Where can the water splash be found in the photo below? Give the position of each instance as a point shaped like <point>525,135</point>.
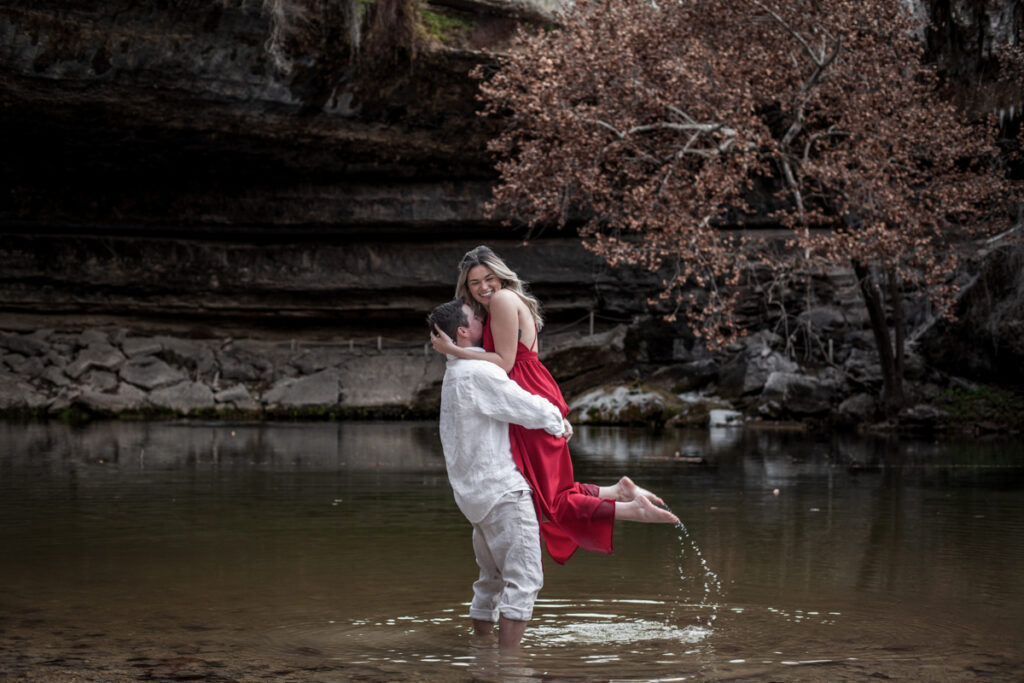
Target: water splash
<point>703,575</point>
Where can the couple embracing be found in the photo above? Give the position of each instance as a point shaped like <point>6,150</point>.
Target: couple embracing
<point>505,442</point>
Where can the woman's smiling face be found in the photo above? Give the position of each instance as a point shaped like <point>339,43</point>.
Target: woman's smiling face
<point>482,283</point>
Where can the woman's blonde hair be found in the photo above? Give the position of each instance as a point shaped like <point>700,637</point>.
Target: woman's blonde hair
<point>483,256</point>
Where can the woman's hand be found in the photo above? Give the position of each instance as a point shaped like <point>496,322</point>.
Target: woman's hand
<point>442,343</point>
<point>566,430</point>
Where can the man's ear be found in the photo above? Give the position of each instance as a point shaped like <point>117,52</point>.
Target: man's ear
<point>461,331</point>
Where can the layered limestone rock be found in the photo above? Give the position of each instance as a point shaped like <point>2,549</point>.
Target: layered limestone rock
<point>165,176</point>
<point>163,164</point>
<point>163,167</point>
<point>114,372</point>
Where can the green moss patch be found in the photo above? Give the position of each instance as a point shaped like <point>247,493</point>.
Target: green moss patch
<point>447,29</point>
<point>986,406</point>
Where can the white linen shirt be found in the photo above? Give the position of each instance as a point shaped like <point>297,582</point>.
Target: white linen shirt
<point>478,401</point>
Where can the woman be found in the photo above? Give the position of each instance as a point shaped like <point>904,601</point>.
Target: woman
<point>571,514</point>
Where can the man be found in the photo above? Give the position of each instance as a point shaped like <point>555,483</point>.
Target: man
<point>478,401</point>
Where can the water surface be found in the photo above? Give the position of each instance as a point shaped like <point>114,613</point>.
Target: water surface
<point>329,552</point>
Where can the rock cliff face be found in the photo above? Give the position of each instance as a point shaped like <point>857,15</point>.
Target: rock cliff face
<point>160,167</point>
<point>964,40</point>
<point>161,174</point>
<point>158,162</point>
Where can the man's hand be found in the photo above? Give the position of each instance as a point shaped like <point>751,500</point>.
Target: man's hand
<point>566,430</point>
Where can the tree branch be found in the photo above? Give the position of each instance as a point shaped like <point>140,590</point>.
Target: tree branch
<point>817,136</point>
<point>782,22</point>
<point>685,127</point>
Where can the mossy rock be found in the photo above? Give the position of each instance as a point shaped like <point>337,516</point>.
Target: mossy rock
<point>635,403</point>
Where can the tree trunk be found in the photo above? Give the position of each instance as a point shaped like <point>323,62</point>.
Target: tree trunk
<point>897,327</point>
<point>891,361</point>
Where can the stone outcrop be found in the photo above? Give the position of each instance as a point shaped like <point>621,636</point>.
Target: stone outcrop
<point>986,341</point>
<point>174,376</point>
<point>624,405</point>
<point>749,370</point>
<point>164,168</point>
<point>188,228</point>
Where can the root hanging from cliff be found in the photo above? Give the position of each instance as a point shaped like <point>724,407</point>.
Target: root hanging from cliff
<point>310,29</point>
<point>394,31</point>
<point>288,19</point>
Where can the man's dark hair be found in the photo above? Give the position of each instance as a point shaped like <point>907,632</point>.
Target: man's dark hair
<point>449,317</point>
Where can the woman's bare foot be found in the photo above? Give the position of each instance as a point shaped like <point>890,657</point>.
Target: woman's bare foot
<point>641,509</point>
<point>625,491</point>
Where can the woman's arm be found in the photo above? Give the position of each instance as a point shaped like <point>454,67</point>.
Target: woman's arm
<point>442,343</point>
<point>504,317</point>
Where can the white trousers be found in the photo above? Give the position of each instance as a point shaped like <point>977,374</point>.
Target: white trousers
<point>507,547</point>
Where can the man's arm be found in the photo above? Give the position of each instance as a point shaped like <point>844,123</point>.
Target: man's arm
<point>499,397</point>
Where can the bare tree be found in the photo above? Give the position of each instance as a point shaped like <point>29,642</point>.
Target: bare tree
<point>658,125</point>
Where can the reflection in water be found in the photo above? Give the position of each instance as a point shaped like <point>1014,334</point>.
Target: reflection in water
<point>325,552</point>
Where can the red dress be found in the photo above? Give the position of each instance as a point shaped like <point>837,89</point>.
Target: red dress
<point>571,515</point>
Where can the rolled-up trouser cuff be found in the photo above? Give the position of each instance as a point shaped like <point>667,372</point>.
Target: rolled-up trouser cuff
<point>483,615</point>
<point>507,546</point>
<point>516,613</point>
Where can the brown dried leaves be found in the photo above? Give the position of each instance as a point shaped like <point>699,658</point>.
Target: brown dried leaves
<point>649,126</point>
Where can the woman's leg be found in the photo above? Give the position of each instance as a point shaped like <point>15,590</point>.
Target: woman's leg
<point>625,490</point>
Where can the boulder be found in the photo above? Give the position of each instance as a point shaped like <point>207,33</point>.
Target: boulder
<point>923,415</point>
<point>17,393</point>
<point>686,350</point>
<point>686,377</point>
<point>55,376</point>
<point>54,357</point>
<point>575,356</point>
<point>758,341</point>
<point>747,372</point>
<point>97,355</point>
<point>28,367</point>
<point>65,398</point>
<point>321,389</point>
<point>823,318</point>
<point>389,380</point>
<point>769,409</point>
<point>635,404</point>
<point>150,372</point>
<point>798,394</point>
<point>311,361</point>
<point>242,365</point>
<point>187,353</point>
<point>860,407</point>
<point>25,344</point>
<point>140,346</point>
<point>238,397</point>
<point>91,337</point>
<point>863,367</point>
<point>126,397</point>
<point>12,360</point>
<point>99,380</point>
<point>183,397</point>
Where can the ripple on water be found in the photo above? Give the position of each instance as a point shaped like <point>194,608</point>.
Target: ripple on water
<point>618,623</point>
<point>563,637</point>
